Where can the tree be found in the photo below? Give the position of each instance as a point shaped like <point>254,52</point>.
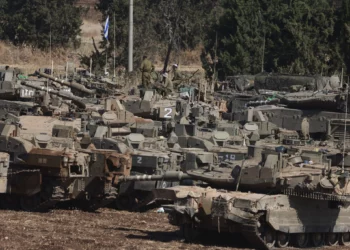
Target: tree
<point>307,39</point>
<point>342,31</point>
<point>160,26</point>
<point>144,34</point>
<point>32,21</point>
<point>181,24</point>
<point>284,36</point>
<point>239,30</point>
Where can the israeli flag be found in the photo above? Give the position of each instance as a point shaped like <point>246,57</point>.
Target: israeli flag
<point>105,31</point>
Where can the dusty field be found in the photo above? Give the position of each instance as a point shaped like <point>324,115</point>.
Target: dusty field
<point>106,229</point>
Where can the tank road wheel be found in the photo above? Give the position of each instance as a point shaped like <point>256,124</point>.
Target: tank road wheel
<point>344,239</point>
<point>301,240</point>
<point>317,239</point>
<point>269,236</point>
<point>282,239</point>
<point>29,203</point>
<point>332,239</point>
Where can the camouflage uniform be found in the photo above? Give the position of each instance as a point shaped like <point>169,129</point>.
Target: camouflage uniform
<point>177,77</point>
<point>168,85</point>
<point>146,68</point>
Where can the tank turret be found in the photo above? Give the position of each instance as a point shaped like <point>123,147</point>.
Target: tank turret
<point>42,170</point>
<point>73,85</point>
<point>291,196</point>
<point>65,95</point>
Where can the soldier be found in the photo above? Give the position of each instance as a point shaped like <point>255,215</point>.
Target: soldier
<point>177,78</point>
<point>146,68</point>
<point>167,83</point>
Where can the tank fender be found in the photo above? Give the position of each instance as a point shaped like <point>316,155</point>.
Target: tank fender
<point>293,221</point>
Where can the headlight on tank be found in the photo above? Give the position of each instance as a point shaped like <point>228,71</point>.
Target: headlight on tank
<point>65,161</point>
<point>229,206</point>
<point>240,203</point>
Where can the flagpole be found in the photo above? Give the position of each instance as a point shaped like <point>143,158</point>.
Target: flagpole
<point>106,57</point>
<point>114,45</point>
<point>131,35</point>
<point>90,66</point>
<point>105,33</point>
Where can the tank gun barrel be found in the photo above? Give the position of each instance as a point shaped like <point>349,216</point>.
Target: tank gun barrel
<point>266,102</point>
<point>74,85</point>
<point>169,176</point>
<point>225,179</point>
<point>113,84</point>
<point>76,100</point>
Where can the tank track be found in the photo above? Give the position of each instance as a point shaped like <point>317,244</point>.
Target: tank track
<point>251,234</point>
<point>43,204</point>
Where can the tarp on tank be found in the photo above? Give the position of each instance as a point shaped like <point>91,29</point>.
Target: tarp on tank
<point>295,83</point>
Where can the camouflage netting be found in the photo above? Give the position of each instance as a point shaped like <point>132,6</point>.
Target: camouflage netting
<point>295,83</point>
<point>241,82</point>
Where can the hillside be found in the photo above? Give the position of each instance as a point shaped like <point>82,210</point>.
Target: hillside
<point>30,59</point>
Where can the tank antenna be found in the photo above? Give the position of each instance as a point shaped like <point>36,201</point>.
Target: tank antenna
<point>345,120</point>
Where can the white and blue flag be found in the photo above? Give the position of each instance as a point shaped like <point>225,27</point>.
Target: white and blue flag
<point>105,31</point>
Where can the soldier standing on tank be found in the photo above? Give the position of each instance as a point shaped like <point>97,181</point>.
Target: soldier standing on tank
<point>177,78</point>
<point>167,83</point>
<point>146,68</point>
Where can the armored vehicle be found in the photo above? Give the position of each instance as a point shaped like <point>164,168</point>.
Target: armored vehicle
<point>52,171</point>
<point>292,83</point>
<point>149,156</point>
<point>76,88</point>
<point>288,207</point>
<point>219,142</point>
<point>319,100</point>
<point>151,105</point>
<point>290,119</point>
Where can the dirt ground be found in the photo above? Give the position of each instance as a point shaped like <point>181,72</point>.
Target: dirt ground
<point>106,229</point>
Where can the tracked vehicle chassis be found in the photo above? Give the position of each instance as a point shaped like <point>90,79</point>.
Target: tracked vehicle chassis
<point>266,221</point>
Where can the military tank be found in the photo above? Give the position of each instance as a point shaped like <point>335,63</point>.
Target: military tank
<point>76,88</point>
<point>150,105</point>
<point>277,200</point>
<point>293,83</point>
<point>288,110</point>
<point>39,173</point>
<point>290,119</point>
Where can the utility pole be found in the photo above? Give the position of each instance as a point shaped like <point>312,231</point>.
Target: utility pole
<point>263,53</point>
<point>114,45</point>
<point>131,35</point>
<point>51,52</point>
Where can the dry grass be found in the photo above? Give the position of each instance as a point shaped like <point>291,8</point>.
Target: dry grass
<point>29,59</point>
<point>91,29</point>
<point>191,57</point>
